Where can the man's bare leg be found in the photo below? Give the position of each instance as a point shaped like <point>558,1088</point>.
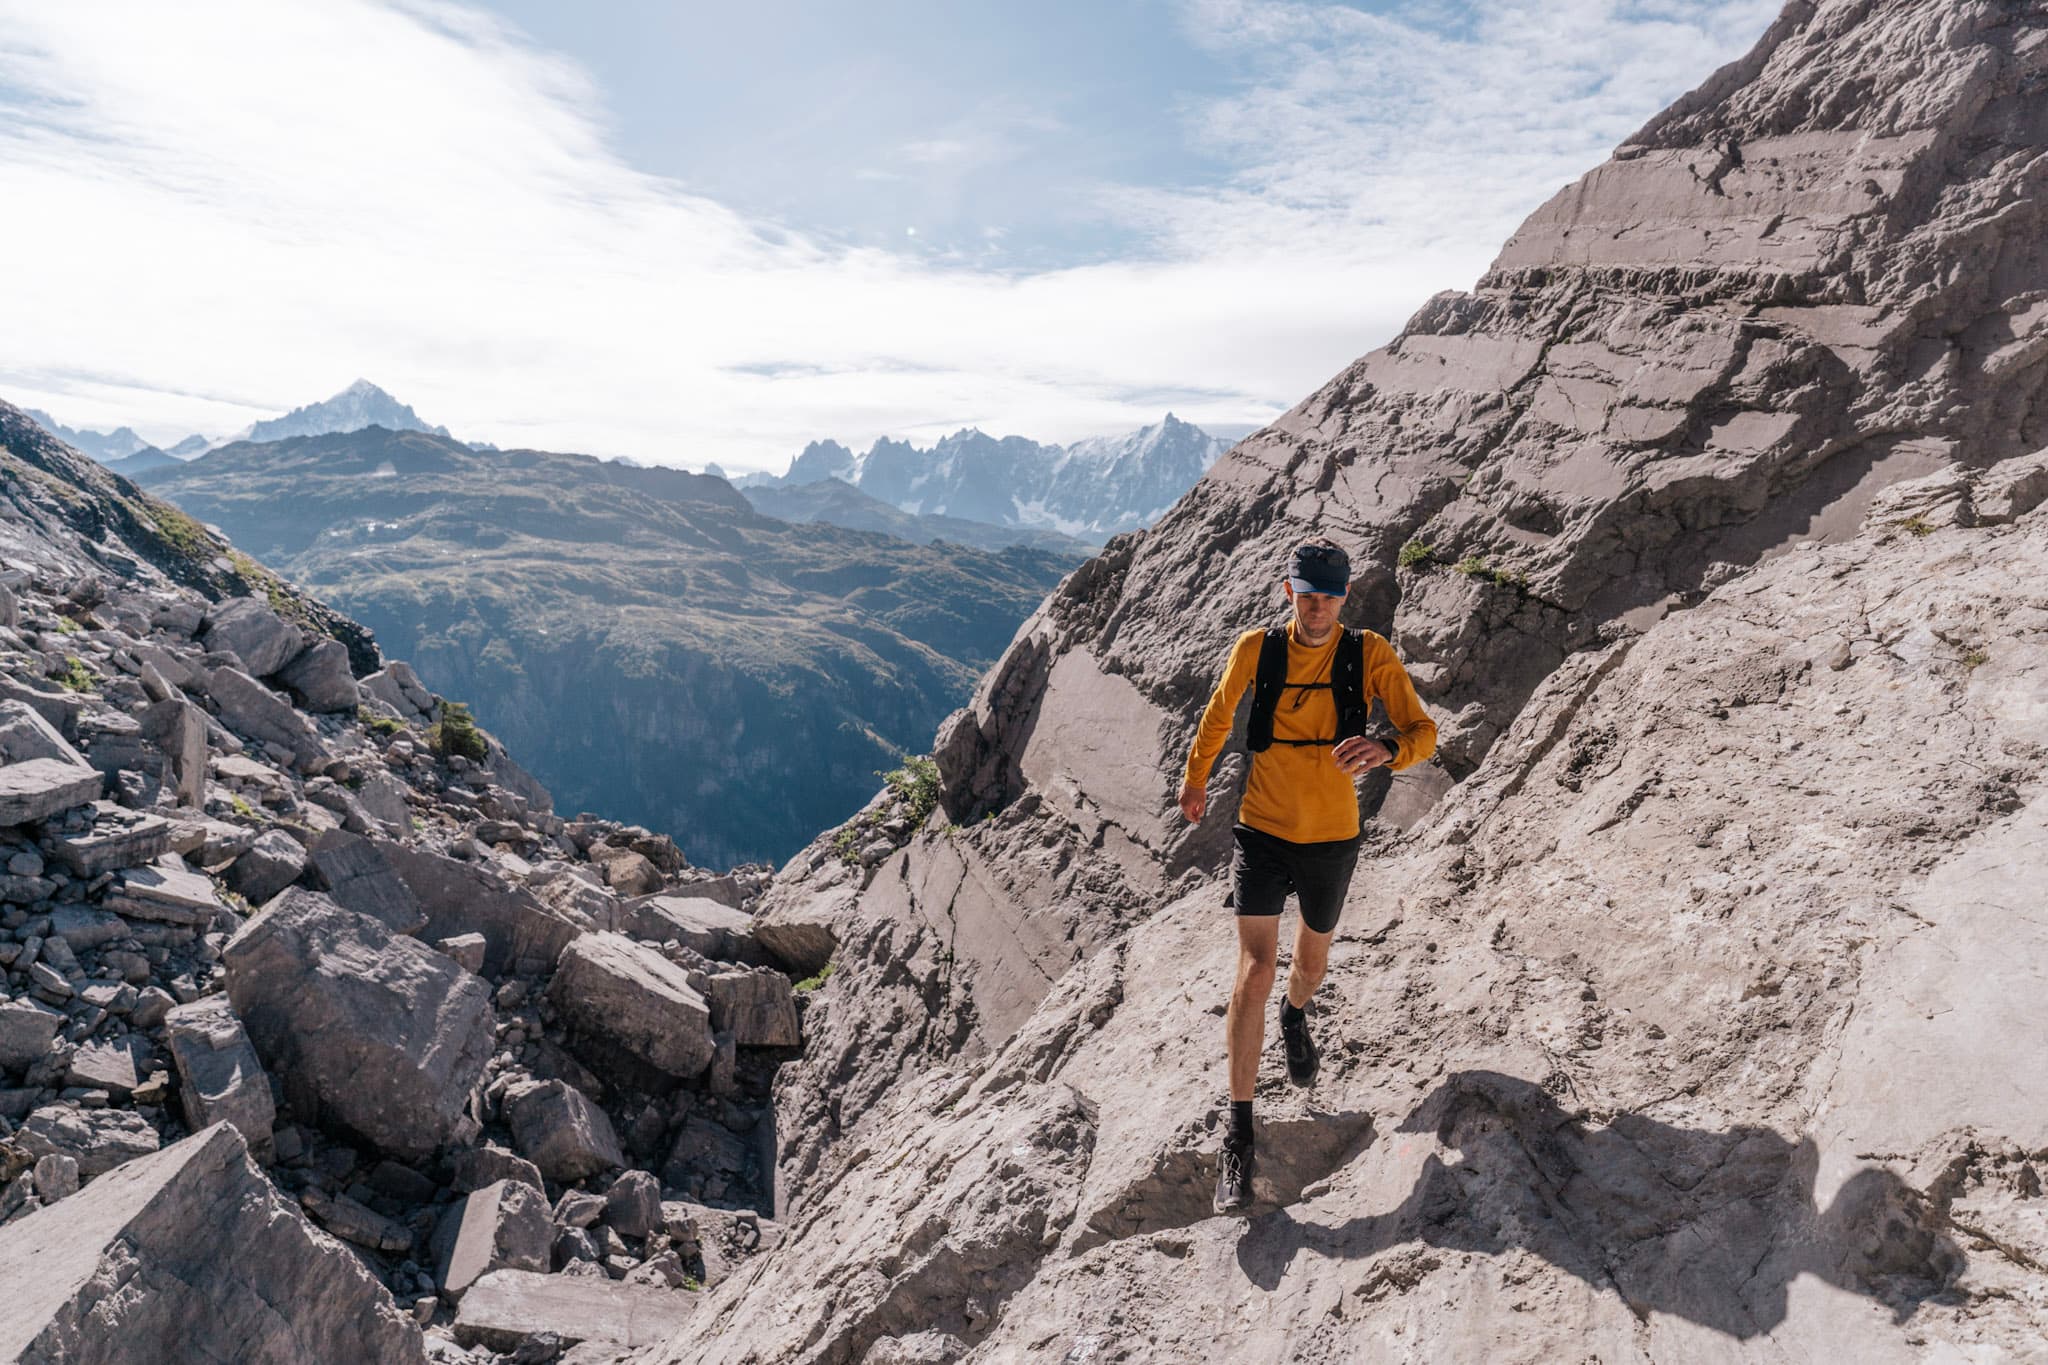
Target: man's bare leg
<point>1311,960</point>
<point>1258,952</point>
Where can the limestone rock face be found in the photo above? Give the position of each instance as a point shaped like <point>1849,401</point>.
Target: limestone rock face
<point>190,1246</point>
<point>1722,522</point>
<point>382,1033</point>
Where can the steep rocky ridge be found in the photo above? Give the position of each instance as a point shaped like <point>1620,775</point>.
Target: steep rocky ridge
<point>315,1016</point>
<point>1592,502</point>
<point>652,648</point>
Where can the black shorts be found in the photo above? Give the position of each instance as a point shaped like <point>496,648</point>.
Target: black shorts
<point>1265,868</point>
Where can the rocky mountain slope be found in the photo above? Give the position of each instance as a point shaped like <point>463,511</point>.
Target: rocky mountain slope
<point>1672,1017</point>
<point>653,648</point>
<point>1090,489</point>
<point>318,1026</point>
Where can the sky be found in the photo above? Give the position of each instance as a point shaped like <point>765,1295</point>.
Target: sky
<point>689,232</point>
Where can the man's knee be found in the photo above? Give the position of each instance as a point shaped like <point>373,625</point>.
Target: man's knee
<point>1256,965</point>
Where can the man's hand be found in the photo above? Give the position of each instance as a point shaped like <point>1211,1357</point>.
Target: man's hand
<point>1359,755</point>
<point>1193,801</point>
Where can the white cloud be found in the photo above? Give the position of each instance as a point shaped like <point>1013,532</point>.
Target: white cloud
<point>232,207</point>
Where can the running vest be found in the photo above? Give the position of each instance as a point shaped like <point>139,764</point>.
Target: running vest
<point>1347,684</point>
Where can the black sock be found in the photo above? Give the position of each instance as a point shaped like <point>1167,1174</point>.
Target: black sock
<point>1290,1015</point>
<point>1241,1122</point>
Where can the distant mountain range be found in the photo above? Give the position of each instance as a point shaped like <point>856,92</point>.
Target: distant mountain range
<point>653,647</point>
<point>1090,490</point>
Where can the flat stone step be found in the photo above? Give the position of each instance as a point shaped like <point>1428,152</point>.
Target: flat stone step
<point>167,894</point>
<point>43,787</point>
<point>119,837</point>
<point>505,1307</point>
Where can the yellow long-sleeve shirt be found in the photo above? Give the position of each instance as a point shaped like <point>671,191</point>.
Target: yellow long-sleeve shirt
<point>1296,791</point>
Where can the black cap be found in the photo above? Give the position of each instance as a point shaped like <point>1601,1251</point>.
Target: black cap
<point>1319,568</point>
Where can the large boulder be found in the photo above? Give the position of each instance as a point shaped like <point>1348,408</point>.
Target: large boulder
<point>271,864</point>
<point>627,996</point>
<point>555,1126</point>
<point>757,1006</point>
<point>320,676</point>
<point>220,1077</point>
<point>373,1032</point>
<point>256,635</point>
<point>190,1254</point>
<point>25,734</point>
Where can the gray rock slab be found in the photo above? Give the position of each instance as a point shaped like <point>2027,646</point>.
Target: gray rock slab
<point>505,1226</point>
<point>115,1065</point>
<point>42,787</point>
<point>171,895</point>
<point>801,929</point>
<point>190,1246</point>
<point>261,638</point>
<point>507,1307</point>
<point>631,997</point>
<point>466,949</point>
<point>697,922</point>
<point>355,1222</point>
<point>632,1204</point>
<point>557,1127</point>
<point>252,709</point>
<point>221,1079</point>
<point>359,877</point>
<point>372,1031</point>
<point>85,928</point>
<point>319,674</point>
<point>98,1139</point>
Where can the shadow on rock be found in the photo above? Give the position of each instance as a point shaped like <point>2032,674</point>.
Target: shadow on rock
<point>1711,1226</point>
<point>1177,1192</point>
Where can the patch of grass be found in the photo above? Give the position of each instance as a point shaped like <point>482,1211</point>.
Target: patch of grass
<point>1475,566</point>
<point>456,733</point>
<point>243,808</point>
<point>67,626</point>
<point>76,677</point>
<point>186,536</point>
<point>811,983</point>
<point>1915,526</point>
<point>916,785</point>
<point>1976,659</point>
<point>1415,555</point>
<point>846,843</point>
<point>693,1284</point>
<point>378,722</point>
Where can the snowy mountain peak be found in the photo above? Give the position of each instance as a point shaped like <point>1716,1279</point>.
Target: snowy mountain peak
<point>361,404</point>
<point>1093,488</point>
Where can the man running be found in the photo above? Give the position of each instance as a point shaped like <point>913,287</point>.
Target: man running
<point>1297,827</point>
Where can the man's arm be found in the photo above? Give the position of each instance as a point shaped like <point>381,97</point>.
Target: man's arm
<point>1386,679</point>
<point>1214,729</point>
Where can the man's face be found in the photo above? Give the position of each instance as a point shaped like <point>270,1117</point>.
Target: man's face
<point>1315,612</point>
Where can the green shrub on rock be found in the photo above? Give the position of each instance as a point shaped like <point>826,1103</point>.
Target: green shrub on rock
<point>456,733</point>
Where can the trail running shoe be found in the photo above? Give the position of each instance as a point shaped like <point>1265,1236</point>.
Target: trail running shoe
<point>1304,1059</point>
<point>1234,1177</point>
